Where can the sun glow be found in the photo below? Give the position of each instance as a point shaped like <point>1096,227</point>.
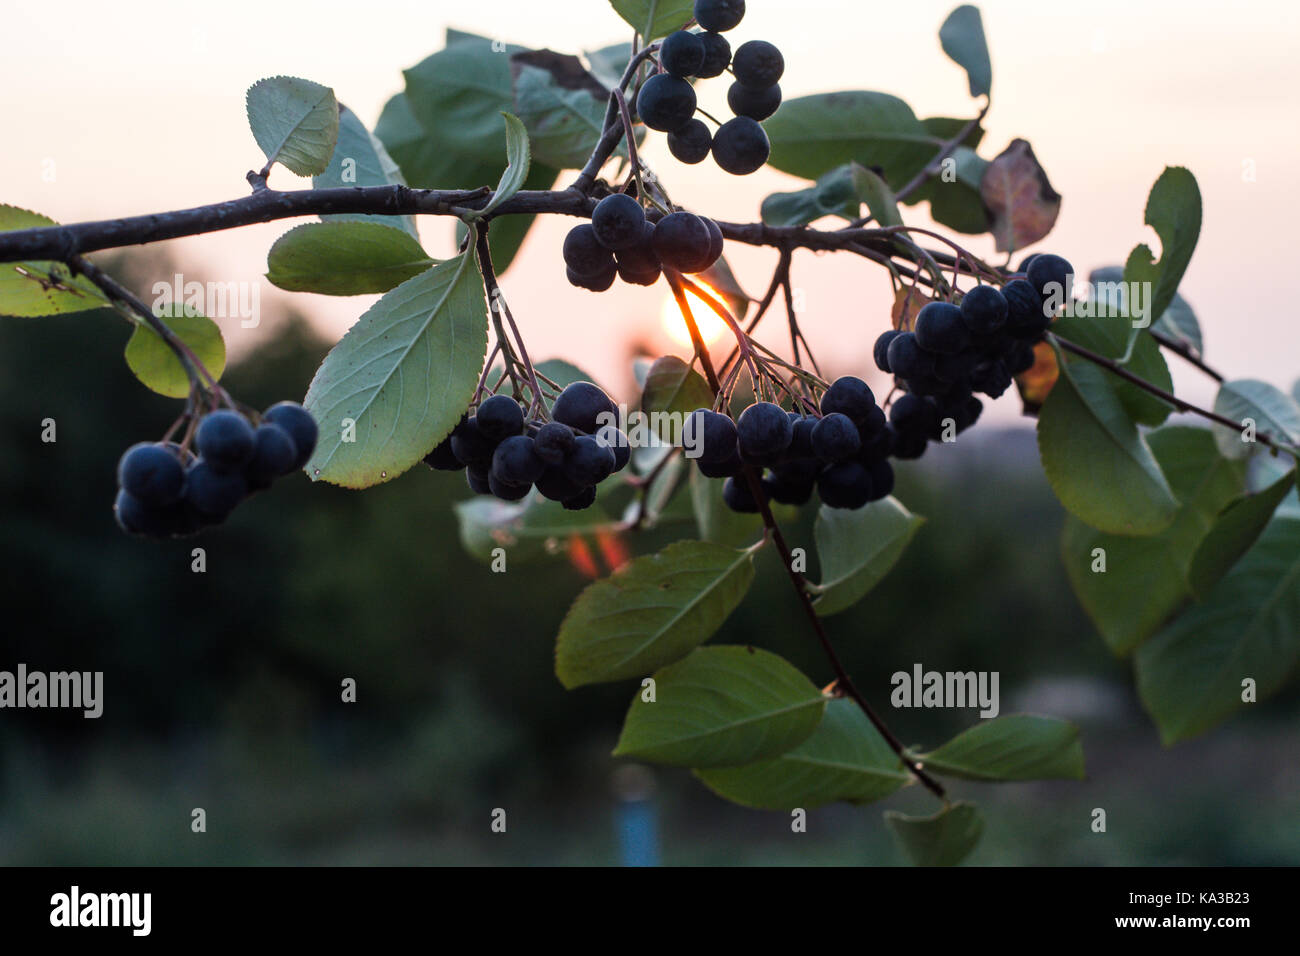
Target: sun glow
<point>710,325</point>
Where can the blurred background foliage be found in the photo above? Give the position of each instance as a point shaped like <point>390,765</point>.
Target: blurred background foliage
<point>222,689</point>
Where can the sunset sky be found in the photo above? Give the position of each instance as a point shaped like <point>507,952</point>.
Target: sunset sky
<point>139,107</point>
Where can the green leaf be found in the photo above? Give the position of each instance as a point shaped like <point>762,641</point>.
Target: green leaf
<point>944,839</point>
<point>962,38</point>
<point>563,373</point>
<point>856,548</point>
<point>844,759</point>
<point>517,155</point>
<point>344,258</point>
<point>295,122</point>
<point>404,374</point>
<point>1110,337</point>
<point>675,388</point>
<point>156,365</point>
<point>35,288</point>
<point>1146,577</point>
<point>1235,530</point>
<point>1174,212</point>
<point>1014,747</point>
<point>654,18</point>
<point>1178,321</point>
<point>650,612</point>
<point>714,520</point>
<point>608,63</point>
<point>955,200</point>
<point>1190,675</point>
<point>1274,412</point>
<point>721,707</point>
<point>840,192</point>
<point>508,232</point>
<point>811,135</point>
<point>1097,463</point>
<point>528,529</point>
<point>562,105</point>
<point>360,159</point>
<point>457,96</point>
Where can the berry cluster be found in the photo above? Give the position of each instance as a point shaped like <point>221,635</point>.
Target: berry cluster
<point>955,351</point>
<point>165,490</point>
<point>565,458</point>
<point>843,454</point>
<point>666,102</point>
<point>620,241</point>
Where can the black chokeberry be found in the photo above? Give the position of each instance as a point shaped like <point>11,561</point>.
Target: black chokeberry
<point>590,462</point>
<point>552,442</point>
<point>880,352</point>
<point>1026,317</point>
<point>991,377</point>
<point>442,458</point>
<point>984,310</point>
<point>940,329</point>
<point>639,265</point>
<point>613,438</point>
<point>151,473</point>
<point>793,482</point>
<point>740,146</point>
<point>213,494</point>
<point>907,360</point>
<point>912,414</point>
<point>801,436</point>
<point>882,479</point>
<point>716,240</point>
<point>225,439</point>
<point>845,485</point>
<point>504,490</point>
<point>691,143</point>
<point>850,396</point>
<point>709,437</point>
<point>908,445</point>
<point>719,15</point>
<point>737,496</point>
<point>763,432</point>
<point>582,500</point>
<point>681,54</point>
<point>556,485</point>
<point>274,454</point>
<point>717,55</point>
<point>1050,275</point>
<point>599,282</point>
<point>618,222</point>
<point>477,477</point>
<point>665,102</point>
<point>471,446</point>
<point>682,241</point>
<point>1019,358</point>
<point>499,417</point>
<point>300,425</point>
<point>757,64</point>
<point>582,405</point>
<point>835,438</point>
<point>954,368</point>
<point>758,103</point>
<point>583,253</point>
<point>516,462</point>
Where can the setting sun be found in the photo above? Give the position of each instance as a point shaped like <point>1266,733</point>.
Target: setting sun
<point>710,325</point>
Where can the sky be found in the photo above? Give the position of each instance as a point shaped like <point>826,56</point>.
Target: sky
<point>138,106</point>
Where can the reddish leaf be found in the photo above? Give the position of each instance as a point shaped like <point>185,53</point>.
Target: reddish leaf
<point>1035,384</point>
<point>907,302</point>
<point>1021,202</point>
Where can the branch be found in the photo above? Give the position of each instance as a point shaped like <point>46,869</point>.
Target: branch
<point>1183,406</point>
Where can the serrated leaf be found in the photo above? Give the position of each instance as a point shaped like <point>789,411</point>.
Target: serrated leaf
<point>1146,577</point>
<point>844,759</point>
<point>1235,530</point>
<point>650,612</point>
<point>1273,412</point>
<point>154,363</point>
<point>360,159</point>
<point>1191,674</point>
<point>35,288</point>
<point>944,839</point>
<point>722,707</point>
<point>856,548</point>
<point>1174,211</point>
<point>1014,747</point>
<point>1096,461</point>
<point>654,18</point>
<point>962,38</point>
<point>403,374</point>
<point>562,105</point>
<point>295,122</point>
<point>518,159</point>
<point>811,135</point>
<point>1023,204</point>
<point>345,258</point>
<point>673,387</point>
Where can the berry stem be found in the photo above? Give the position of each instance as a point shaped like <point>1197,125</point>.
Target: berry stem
<point>498,307</point>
